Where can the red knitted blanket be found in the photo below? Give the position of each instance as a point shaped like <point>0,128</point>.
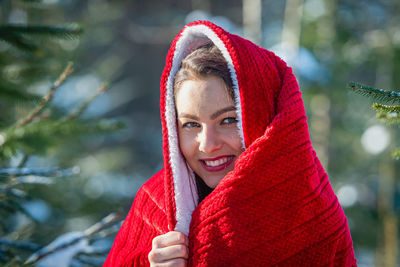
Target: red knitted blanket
<point>276,207</point>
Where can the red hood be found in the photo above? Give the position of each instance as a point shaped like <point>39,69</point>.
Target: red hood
<point>256,94</point>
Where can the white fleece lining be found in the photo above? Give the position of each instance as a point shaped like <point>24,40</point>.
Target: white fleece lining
<point>186,196</point>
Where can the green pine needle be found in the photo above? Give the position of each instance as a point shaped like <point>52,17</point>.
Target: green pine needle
<point>60,129</point>
<point>18,41</point>
<point>16,35</point>
<point>376,94</point>
<point>385,108</point>
<point>39,137</point>
<point>12,94</point>
<point>71,31</point>
<point>396,154</point>
<point>389,118</point>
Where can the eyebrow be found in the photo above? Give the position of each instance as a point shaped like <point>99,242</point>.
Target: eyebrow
<point>213,116</point>
<point>221,111</point>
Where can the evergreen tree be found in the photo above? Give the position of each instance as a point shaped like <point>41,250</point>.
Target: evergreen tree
<point>31,126</point>
<point>387,113</point>
<point>387,193</point>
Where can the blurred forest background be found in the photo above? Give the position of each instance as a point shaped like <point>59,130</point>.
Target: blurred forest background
<point>65,171</point>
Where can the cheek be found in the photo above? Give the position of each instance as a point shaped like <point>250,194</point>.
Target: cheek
<point>187,144</point>
<point>233,139</point>
<point>237,145</point>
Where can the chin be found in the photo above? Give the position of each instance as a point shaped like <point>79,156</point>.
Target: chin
<point>212,182</point>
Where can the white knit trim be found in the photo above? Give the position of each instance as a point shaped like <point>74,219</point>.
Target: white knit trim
<point>184,184</point>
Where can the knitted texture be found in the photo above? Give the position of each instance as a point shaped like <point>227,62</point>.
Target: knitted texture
<point>276,207</point>
<point>146,220</point>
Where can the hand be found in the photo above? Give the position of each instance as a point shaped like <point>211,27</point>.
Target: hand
<point>170,249</point>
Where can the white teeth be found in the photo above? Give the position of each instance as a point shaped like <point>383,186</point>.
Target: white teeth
<point>218,162</point>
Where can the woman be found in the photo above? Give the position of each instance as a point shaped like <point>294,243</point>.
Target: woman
<point>245,138</point>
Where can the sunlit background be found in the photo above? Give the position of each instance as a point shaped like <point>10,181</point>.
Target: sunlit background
<point>328,43</point>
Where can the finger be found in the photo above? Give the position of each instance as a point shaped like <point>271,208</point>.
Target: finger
<point>170,238</point>
<point>160,255</point>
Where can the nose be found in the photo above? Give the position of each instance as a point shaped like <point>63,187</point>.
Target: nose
<point>209,140</point>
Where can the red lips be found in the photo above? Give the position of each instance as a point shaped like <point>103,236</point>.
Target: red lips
<point>217,164</point>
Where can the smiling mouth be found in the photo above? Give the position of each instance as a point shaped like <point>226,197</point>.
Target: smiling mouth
<point>217,164</point>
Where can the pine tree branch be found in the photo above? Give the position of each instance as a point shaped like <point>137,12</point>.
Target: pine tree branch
<point>376,94</point>
<point>389,118</point>
<point>17,35</point>
<point>386,109</point>
<point>20,245</point>
<point>35,257</point>
<point>19,42</point>
<point>14,192</point>
<point>36,137</point>
<point>97,227</point>
<point>67,32</point>
<point>396,153</point>
<point>67,71</point>
<point>32,180</point>
<point>95,252</point>
<point>56,129</point>
<point>89,262</point>
<point>23,161</point>
<point>34,2</point>
<point>108,231</point>
<point>18,207</point>
<point>105,222</point>
<point>82,108</point>
<point>7,207</point>
<point>46,172</point>
<point>13,94</point>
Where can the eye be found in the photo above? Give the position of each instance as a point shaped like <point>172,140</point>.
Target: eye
<point>229,120</point>
<point>190,125</point>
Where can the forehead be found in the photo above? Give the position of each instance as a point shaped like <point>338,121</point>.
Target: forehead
<point>206,93</point>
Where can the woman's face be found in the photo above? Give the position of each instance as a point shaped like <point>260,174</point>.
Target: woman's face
<point>207,128</point>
